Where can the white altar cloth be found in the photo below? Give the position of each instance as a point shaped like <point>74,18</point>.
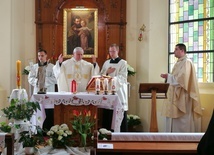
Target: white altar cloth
<point>157,136</point>
<point>83,98</point>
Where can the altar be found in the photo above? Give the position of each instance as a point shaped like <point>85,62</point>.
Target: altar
<point>51,99</point>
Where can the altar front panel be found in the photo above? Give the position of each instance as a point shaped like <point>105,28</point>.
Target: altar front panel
<point>64,114</point>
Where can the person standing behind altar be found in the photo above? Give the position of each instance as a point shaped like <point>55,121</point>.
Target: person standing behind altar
<point>75,69</point>
<point>41,75</point>
<point>117,69</point>
<point>182,108</point>
<point>42,78</point>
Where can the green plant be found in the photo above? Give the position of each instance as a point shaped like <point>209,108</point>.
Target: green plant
<point>30,139</point>
<point>133,120</point>
<point>20,109</point>
<point>4,127</point>
<point>82,124</point>
<point>60,136</point>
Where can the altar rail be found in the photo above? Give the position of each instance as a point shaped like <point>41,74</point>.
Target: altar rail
<point>148,143</point>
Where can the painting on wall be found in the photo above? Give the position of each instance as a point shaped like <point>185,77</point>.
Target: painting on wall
<point>80,30</point>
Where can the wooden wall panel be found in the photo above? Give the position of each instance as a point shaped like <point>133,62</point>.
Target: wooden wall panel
<point>111,25</point>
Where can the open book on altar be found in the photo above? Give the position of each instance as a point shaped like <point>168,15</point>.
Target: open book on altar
<point>92,83</point>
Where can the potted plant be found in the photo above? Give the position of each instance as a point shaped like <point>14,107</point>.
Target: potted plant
<point>60,136</point>
<point>131,71</point>
<point>20,109</point>
<point>133,121</point>
<point>104,134</point>
<point>29,140</point>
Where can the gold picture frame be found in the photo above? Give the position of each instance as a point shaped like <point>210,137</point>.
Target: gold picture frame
<point>80,30</point>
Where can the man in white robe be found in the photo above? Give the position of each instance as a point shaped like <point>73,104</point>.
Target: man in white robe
<point>74,69</point>
<point>117,68</point>
<point>182,108</point>
<point>41,76</point>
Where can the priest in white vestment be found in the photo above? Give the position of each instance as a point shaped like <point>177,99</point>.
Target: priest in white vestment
<point>182,108</point>
<point>74,69</point>
<point>117,68</point>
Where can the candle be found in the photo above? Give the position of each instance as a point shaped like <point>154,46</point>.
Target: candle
<point>18,74</point>
<point>73,86</point>
<point>105,84</point>
<point>97,84</point>
<point>113,84</point>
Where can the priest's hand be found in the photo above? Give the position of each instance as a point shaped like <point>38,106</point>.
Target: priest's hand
<point>165,76</point>
<point>60,58</point>
<point>110,70</point>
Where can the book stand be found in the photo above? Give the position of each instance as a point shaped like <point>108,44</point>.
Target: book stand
<point>153,91</point>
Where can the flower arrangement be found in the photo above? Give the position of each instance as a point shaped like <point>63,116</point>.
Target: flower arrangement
<point>20,109</point>
<point>82,125</point>
<point>133,120</point>
<point>131,71</point>
<point>26,70</point>
<point>103,134</point>
<point>60,136</point>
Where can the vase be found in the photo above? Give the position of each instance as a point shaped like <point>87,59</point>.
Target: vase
<point>29,150</point>
<point>83,138</point>
<point>18,122</point>
<point>132,128</point>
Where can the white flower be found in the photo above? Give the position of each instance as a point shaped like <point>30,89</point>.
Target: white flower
<point>54,128</point>
<point>63,127</point>
<point>68,132</point>
<point>130,68</point>
<point>104,131</point>
<point>60,137</point>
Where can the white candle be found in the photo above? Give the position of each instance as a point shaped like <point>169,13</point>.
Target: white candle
<point>113,84</point>
<point>97,84</point>
<point>105,84</point>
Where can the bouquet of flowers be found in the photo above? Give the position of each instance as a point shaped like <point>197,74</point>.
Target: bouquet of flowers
<point>82,125</point>
<point>60,136</point>
<point>103,134</point>
<point>26,70</point>
<point>131,71</point>
<point>133,120</point>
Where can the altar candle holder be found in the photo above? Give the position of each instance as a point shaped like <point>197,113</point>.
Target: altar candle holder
<point>105,86</point>
<point>97,86</point>
<point>113,86</point>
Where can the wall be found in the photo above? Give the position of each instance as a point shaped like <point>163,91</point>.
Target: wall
<point>148,57</point>
<point>18,41</point>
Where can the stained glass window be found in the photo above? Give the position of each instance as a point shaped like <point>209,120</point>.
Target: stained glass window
<point>192,22</point>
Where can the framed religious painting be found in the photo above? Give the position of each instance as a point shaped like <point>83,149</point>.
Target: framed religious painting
<point>80,30</point>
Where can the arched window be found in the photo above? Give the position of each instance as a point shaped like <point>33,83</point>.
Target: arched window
<point>192,22</point>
